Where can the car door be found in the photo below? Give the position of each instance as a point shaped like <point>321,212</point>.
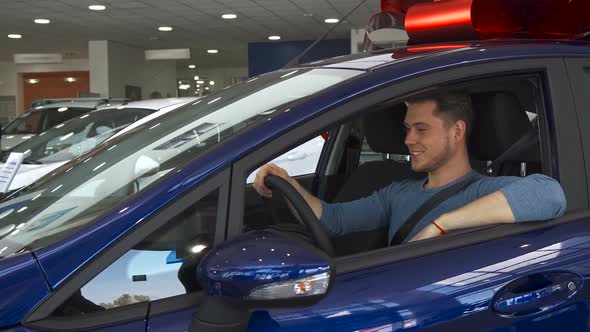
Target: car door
<point>528,276</point>
<point>142,281</point>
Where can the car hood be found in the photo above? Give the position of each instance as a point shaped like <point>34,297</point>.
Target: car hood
<point>28,174</point>
<point>23,287</point>
<point>9,141</point>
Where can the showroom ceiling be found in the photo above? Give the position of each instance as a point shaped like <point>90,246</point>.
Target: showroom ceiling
<point>197,24</point>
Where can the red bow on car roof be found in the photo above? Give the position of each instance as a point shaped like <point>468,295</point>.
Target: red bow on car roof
<point>428,21</point>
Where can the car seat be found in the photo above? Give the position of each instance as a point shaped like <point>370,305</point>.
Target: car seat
<point>500,125</point>
<point>384,132</point>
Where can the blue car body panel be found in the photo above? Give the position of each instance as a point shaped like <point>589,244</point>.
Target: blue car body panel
<point>23,286</point>
<point>457,285</point>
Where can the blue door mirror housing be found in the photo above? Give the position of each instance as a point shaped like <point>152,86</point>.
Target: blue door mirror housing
<point>259,269</point>
<point>267,267</point>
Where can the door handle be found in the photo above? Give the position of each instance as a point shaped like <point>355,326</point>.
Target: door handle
<point>536,293</point>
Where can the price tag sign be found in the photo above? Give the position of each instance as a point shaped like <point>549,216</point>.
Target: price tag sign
<point>9,170</point>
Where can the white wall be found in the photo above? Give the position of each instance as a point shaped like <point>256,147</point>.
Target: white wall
<point>127,66</point>
<point>12,85</point>
<point>98,62</point>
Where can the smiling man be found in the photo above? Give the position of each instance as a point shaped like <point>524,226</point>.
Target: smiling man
<point>438,127</point>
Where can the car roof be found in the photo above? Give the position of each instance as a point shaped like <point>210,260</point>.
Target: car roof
<point>76,103</point>
<point>501,47</point>
<point>154,104</point>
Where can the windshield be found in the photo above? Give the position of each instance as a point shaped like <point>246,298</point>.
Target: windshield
<point>101,180</point>
<point>40,120</point>
<point>77,136</point>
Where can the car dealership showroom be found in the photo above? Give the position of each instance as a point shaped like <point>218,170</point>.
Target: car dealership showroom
<point>294,165</point>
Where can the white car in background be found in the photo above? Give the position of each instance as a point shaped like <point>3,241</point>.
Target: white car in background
<point>58,145</point>
<point>48,113</point>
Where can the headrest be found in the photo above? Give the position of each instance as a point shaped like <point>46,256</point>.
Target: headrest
<point>500,121</point>
<point>384,130</point>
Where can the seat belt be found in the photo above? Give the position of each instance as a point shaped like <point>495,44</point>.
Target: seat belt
<point>428,206</point>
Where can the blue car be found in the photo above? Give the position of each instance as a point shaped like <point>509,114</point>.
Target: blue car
<point>159,230</point>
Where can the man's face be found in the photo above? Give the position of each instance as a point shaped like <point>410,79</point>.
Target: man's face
<point>428,137</point>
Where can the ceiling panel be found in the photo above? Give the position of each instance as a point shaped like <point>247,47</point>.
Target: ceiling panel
<point>197,24</point>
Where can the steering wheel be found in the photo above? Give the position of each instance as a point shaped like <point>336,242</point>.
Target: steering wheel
<point>306,216</point>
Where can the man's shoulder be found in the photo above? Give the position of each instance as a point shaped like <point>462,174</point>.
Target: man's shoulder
<point>484,179</point>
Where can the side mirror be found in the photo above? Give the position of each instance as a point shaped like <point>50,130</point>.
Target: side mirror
<point>259,269</point>
<point>146,166</point>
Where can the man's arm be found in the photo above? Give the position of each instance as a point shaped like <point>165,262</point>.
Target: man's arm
<point>535,197</point>
<point>490,209</point>
<point>272,169</point>
<point>363,214</point>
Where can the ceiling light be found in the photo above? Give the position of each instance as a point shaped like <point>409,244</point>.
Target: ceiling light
<point>206,88</point>
<point>15,36</point>
<point>200,82</point>
<point>308,15</point>
<point>196,78</point>
<point>274,37</point>
<point>198,86</point>
<point>229,16</point>
<point>211,82</point>
<point>332,20</point>
<point>165,28</point>
<point>184,87</point>
<point>97,7</point>
<point>33,80</point>
<point>71,79</point>
<point>42,21</point>
<point>192,66</point>
<point>168,54</point>
<point>37,58</point>
<point>212,51</point>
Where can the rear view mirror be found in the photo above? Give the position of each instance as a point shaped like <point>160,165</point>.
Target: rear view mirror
<point>262,269</point>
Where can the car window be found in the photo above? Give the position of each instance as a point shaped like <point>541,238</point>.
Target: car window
<point>55,116</point>
<point>76,195</point>
<point>162,265</point>
<point>76,136</point>
<point>370,153</point>
<point>27,123</point>
<point>301,160</point>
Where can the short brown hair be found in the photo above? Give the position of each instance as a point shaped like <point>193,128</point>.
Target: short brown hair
<point>451,107</point>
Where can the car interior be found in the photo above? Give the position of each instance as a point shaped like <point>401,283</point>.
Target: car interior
<point>368,153</point>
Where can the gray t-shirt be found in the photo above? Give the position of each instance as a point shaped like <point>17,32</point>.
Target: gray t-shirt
<point>534,197</point>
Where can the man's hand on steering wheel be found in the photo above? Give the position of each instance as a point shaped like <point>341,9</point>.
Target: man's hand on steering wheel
<point>268,169</point>
<point>295,196</point>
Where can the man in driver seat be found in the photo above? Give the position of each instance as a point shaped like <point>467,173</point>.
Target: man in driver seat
<point>437,131</point>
